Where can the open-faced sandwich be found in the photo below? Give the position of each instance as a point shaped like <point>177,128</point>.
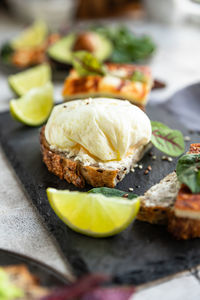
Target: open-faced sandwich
<point>29,48</point>
<point>16,282</point>
<point>175,201</point>
<point>90,78</point>
<point>97,140</point>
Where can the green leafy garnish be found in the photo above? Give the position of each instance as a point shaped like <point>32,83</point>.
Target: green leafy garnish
<point>109,192</point>
<point>188,171</point>
<point>166,139</point>
<point>6,52</point>
<point>128,47</point>
<point>87,64</point>
<point>138,76</point>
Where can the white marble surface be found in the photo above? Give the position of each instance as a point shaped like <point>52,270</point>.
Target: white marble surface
<point>177,62</point>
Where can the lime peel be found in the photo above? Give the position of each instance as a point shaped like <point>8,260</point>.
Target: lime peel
<point>31,37</point>
<point>24,81</point>
<point>33,108</point>
<point>93,214</point>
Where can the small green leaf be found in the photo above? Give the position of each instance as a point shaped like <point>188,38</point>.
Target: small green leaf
<point>6,52</point>
<point>188,171</point>
<point>87,64</point>
<point>109,192</point>
<point>138,76</point>
<point>166,139</point>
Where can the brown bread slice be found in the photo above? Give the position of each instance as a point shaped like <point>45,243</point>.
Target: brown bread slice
<point>73,171</point>
<point>174,205</point>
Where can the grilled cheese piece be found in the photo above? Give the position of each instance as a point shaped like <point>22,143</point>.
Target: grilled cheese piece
<point>102,138</point>
<point>117,84</point>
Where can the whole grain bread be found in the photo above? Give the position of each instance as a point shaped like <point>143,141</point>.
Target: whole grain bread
<point>159,206</point>
<point>73,171</point>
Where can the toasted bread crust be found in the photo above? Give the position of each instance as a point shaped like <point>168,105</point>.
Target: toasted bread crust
<point>183,228</point>
<point>73,171</point>
<point>153,215</point>
<point>154,205</point>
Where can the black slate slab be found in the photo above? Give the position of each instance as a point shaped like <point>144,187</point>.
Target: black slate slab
<point>142,252</point>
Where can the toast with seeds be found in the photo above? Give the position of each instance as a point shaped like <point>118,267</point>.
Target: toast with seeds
<point>74,171</point>
<point>172,204</point>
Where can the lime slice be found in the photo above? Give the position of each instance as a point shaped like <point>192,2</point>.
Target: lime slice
<point>93,214</point>
<point>33,36</point>
<point>22,82</point>
<point>33,108</point>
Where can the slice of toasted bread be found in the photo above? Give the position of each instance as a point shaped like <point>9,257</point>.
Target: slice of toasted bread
<point>173,204</point>
<point>73,171</point>
<point>20,276</point>
<point>77,87</point>
<point>158,200</point>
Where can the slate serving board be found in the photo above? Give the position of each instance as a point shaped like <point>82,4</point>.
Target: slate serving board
<point>141,253</point>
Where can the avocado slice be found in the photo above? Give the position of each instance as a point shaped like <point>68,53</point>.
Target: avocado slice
<point>61,51</point>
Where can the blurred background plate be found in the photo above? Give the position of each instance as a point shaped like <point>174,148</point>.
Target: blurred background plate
<point>47,276</point>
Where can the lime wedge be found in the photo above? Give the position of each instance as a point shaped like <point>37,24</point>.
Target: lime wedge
<point>33,108</point>
<point>33,36</point>
<point>93,214</point>
<point>22,82</point>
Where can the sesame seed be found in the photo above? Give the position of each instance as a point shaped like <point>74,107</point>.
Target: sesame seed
<point>164,157</point>
<point>146,172</point>
<point>131,189</point>
<point>170,159</point>
<point>196,170</point>
<point>132,170</point>
<point>140,166</point>
<point>125,195</point>
<point>187,138</point>
<point>154,157</point>
<point>136,165</point>
<point>149,168</point>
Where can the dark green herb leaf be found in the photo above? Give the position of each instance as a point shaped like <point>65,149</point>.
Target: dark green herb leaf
<point>109,192</point>
<point>87,64</point>
<point>6,52</point>
<point>166,139</point>
<point>188,171</point>
<point>138,76</point>
<point>127,46</point>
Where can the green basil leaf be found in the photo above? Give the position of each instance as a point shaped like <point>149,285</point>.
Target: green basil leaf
<point>109,192</point>
<point>188,171</point>
<point>166,139</point>
<point>87,64</point>
<point>128,47</point>
<point>138,76</point>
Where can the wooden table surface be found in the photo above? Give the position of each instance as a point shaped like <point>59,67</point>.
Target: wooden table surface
<point>177,62</point>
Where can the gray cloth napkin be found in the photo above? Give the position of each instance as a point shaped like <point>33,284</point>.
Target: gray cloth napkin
<point>185,105</point>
